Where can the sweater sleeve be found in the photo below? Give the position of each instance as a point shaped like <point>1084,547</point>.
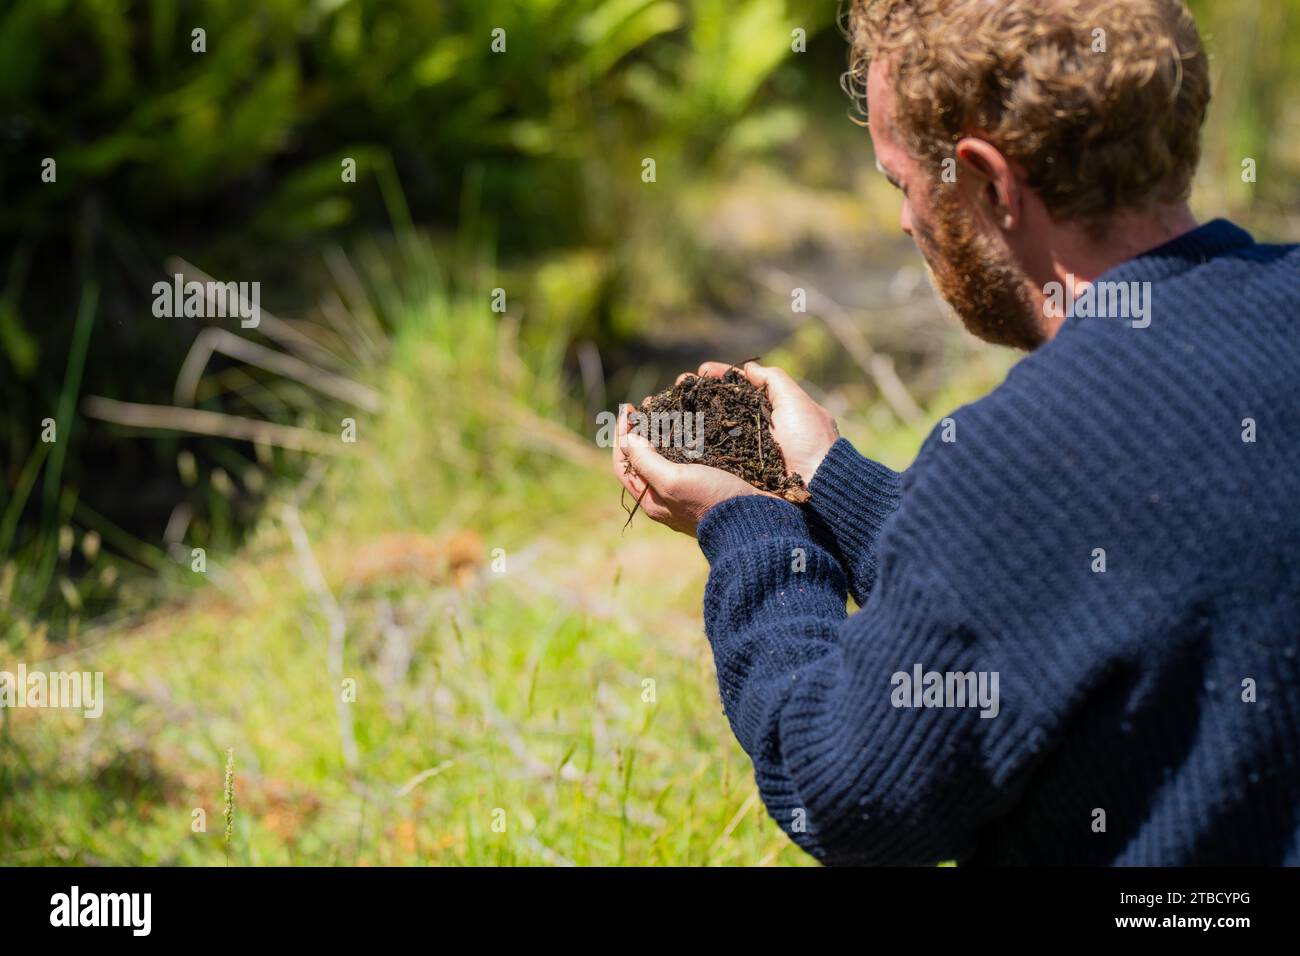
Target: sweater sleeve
<point>851,498</point>
<point>850,774</point>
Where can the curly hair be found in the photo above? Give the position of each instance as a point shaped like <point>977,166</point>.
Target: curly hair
<point>1100,102</point>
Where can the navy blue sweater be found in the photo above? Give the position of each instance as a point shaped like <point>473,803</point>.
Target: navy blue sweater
<point>1113,535</point>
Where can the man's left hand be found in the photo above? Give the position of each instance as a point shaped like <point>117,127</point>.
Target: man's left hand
<point>672,494</point>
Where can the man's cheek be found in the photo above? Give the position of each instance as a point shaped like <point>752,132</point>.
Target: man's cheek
<point>926,243</point>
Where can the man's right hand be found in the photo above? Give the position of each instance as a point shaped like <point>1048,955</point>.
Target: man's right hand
<point>804,430</point>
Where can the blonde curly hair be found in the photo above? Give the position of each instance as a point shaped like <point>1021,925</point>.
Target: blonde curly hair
<point>1100,102</point>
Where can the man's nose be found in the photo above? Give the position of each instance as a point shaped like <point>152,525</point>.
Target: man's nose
<point>905,217</point>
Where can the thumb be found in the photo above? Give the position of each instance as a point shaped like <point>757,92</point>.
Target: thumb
<point>778,381</point>
<point>654,468</point>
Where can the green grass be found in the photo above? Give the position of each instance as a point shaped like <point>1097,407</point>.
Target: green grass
<point>482,698</point>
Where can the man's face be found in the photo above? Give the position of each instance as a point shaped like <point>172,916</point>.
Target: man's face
<point>968,258</point>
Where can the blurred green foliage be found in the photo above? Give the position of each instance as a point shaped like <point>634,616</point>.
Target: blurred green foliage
<point>286,88</point>
<point>512,125</point>
<point>1255,76</point>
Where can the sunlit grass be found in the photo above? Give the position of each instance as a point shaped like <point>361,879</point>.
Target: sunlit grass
<point>519,699</point>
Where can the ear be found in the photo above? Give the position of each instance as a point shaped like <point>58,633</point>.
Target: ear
<point>988,182</point>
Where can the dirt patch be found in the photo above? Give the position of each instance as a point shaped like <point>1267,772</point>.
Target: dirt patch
<point>408,555</point>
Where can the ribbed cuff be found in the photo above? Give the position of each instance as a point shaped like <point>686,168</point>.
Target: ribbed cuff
<point>739,522</point>
<point>851,498</point>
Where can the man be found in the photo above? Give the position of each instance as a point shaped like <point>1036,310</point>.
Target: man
<point>1080,606</point>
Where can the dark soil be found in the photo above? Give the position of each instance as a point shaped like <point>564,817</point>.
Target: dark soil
<point>737,431</point>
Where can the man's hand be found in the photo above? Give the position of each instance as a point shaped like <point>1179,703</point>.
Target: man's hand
<point>672,494</point>
<point>804,430</point>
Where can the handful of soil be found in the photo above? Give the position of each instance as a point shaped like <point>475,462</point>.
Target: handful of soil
<point>724,422</point>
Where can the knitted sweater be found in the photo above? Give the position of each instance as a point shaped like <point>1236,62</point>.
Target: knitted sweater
<point>1079,634</point>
